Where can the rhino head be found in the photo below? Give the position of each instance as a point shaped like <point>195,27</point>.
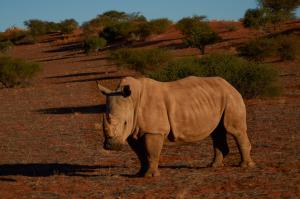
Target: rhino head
<point>118,117</point>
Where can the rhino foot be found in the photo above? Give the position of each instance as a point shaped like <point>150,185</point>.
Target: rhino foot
<point>249,164</point>
<point>217,164</point>
<point>141,173</point>
<point>150,173</point>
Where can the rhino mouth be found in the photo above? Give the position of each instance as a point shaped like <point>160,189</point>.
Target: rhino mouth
<point>110,144</point>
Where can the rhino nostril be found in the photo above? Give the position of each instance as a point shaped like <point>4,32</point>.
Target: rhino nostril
<point>107,145</point>
<point>108,137</point>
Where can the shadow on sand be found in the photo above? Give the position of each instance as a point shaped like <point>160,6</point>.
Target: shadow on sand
<point>78,109</point>
<point>94,79</point>
<point>82,74</point>
<point>44,170</point>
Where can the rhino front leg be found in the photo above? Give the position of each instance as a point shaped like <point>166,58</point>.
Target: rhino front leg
<point>153,146</point>
<point>138,147</point>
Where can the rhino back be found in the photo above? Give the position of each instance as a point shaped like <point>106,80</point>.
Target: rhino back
<point>189,109</point>
<point>195,107</point>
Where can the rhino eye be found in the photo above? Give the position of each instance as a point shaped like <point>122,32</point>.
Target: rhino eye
<point>125,123</point>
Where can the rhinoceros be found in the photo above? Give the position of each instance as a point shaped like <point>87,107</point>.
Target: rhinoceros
<point>145,113</point>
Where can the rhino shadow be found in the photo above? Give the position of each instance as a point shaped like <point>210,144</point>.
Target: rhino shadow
<point>79,74</point>
<point>116,77</point>
<point>45,170</point>
<point>95,109</point>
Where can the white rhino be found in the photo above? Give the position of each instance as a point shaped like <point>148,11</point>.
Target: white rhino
<point>145,113</point>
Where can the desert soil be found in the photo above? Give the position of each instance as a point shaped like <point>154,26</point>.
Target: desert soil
<point>51,137</point>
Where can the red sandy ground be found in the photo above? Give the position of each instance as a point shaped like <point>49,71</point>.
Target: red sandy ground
<point>51,137</point>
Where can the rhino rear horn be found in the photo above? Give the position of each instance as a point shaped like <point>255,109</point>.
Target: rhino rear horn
<point>104,90</point>
<point>126,92</point>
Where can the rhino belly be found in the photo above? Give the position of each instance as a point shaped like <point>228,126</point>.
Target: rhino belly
<point>193,127</point>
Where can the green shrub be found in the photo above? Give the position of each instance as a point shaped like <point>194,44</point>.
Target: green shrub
<point>117,32</point>
<point>257,49</point>
<point>144,30</point>
<point>17,36</point>
<point>16,72</point>
<point>120,26</point>
<point>287,47</point>
<point>141,59</point>
<point>113,17</point>
<point>5,46</point>
<point>156,26</point>
<point>185,24</point>
<point>254,18</point>
<point>26,39</point>
<point>197,32</point>
<point>2,36</point>
<point>177,69</point>
<point>251,79</point>
<point>110,19</point>
<point>68,25</point>
<point>159,26</point>
<point>39,27</point>
<point>284,46</point>
<point>201,36</point>
<point>277,11</point>
<point>94,43</point>
<point>231,28</point>
<point>126,31</point>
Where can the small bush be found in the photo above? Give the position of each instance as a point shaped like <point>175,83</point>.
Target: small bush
<point>111,19</point>
<point>177,69</point>
<point>197,32</point>
<point>251,79</point>
<point>26,39</point>
<point>39,27</point>
<point>2,36</point>
<point>254,18</point>
<point>68,26</point>
<point>17,72</point>
<point>94,43</point>
<point>287,47</point>
<point>5,46</point>
<point>159,26</point>
<point>231,28</point>
<point>201,36</point>
<point>17,36</point>
<point>257,49</point>
<point>284,46</point>
<point>126,31</point>
<point>185,24</point>
<point>141,59</point>
<point>117,32</point>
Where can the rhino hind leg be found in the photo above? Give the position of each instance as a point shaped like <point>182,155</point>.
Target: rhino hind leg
<point>235,124</point>
<point>220,145</point>
<point>244,148</point>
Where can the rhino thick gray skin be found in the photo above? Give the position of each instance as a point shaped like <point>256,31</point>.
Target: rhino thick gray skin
<point>144,113</point>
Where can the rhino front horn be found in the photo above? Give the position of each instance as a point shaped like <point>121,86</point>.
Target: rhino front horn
<point>103,89</point>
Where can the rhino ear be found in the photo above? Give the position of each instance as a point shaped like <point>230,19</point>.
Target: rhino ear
<point>126,92</point>
<point>104,90</point>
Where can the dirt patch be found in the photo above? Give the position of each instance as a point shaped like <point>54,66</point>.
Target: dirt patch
<point>51,139</point>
